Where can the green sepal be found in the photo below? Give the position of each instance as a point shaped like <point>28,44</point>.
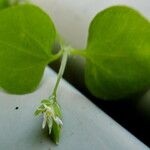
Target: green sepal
<point>55,132</point>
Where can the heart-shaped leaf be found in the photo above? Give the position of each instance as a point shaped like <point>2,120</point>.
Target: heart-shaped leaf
<point>118,53</point>
<point>26,38</point>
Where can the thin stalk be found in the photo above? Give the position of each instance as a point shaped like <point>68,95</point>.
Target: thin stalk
<point>61,70</point>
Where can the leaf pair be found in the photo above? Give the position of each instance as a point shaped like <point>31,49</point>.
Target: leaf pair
<point>117,53</point>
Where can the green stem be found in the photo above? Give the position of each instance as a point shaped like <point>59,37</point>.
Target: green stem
<point>78,52</point>
<point>66,50</point>
<point>56,56</point>
<point>61,70</point>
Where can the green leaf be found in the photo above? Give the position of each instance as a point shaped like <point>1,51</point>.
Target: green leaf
<point>26,38</point>
<point>3,4</point>
<point>118,53</point>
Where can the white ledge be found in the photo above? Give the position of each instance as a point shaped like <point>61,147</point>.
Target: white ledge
<point>86,127</point>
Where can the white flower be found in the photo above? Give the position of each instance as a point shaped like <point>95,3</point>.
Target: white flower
<point>49,115</point>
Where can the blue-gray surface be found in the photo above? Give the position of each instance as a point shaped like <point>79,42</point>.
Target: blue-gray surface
<point>86,127</point>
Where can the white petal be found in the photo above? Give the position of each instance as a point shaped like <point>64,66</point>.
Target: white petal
<point>44,121</point>
<point>50,123</point>
<point>58,121</point>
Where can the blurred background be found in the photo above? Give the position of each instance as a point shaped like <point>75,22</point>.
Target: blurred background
<point>72,19</point>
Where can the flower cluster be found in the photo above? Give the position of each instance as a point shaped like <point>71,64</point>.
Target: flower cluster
<point>51,117</point>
